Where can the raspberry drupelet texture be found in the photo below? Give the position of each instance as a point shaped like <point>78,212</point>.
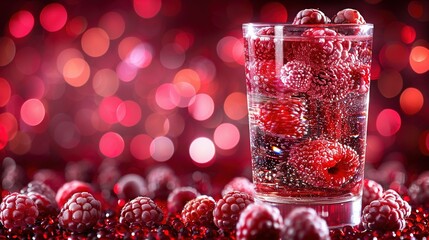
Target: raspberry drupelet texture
<point>229,208</point>
<point>141,210</point>
<point>80,213</point>
<point>178,198</point>
<point>199,211</point>
<point>40,187</point>
<point>161,181</point>
<point>241,184</point>
<point>348,15</point>
<point>304,223</point>
<point>324,163</point>
<point>264,45</point>
<point>372,190</point>
<point>388,213</point>
<point>259,221</point>
<point>17,211</point>
<point>311,16</point>
<point>131,186</point>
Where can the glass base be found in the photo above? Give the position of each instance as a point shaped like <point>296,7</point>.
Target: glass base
<point>346,212</point>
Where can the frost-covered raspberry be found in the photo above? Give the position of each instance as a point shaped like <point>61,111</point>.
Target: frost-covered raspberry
<point>348,15</point>
<point>17,211</point>
<point>199,211</point>
<point>131,186</point>
<point>311,16</point>
<point>265,78</point>
<point>44,205</point>
<point>241,184</point>
<point>69,188</point>
<point>141,210</point>
<point>388,213</point>
<point>304,223</point>
<point>229,208</point>
<point>296,76</point>
<point>161,181</point>
<point>80,213</point>
<point>263,44</point>
<point>41,188</point>
<point>259,221</point>
<point>419,190</point>
<point>372,190</point>
<point>178,198</point>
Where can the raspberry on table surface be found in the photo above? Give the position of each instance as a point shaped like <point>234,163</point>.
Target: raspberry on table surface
<point>18,211</point>
<point>229,208</point>
<point>141,210</point>
<point>304,223</point>
<point>199,211</point>
<point>311,16</point>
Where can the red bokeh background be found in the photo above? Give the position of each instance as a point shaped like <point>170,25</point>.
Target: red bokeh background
<point>162,82</point>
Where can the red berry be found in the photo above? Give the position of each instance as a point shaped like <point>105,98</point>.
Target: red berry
<point>178,198</point>
<point>229,208</point>
<point>199,211</point>
<point>49,177</point>
<point>141,210</point>
<point>389,213</point>
<point>360,77</point>
<point>80,213</point>
<point>44,205</point>
<point>304,223</point>
<point>265,79</point>
<point>288,175</point>
<point>131,186</point>
<point>348,15</point>
<point>264,46</point>
<point>372,190</point>
<point>17,211</point>
<point>70,188</point>
<point>325,164</point>
<point>161,181</point>
<point>259,221</point>
<point>296,76</point>
<point>241,184</point>
<point>311,16</point>
<point>284,117</point>
<point>419,190</point>
<point>41,188</point>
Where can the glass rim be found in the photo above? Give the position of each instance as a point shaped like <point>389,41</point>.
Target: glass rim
<point>324,25</point>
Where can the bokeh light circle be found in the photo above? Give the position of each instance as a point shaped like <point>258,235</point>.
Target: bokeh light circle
<point>5,92</point>
<point>128,113</point>
<point>7,49</point>
<point>388,122</point>
<point>3,137</point>
<point>113,23</point>
<point>147,9</point>
<point>107,109</point>
<point>235,105</point>
<point>111,144</point>
<point>140,146</point>
<point>419,59</point>
<point>411,101</point>
<point>21,23</point>
<point>202,151</point>
<point>161,149</point>
<point>95,42</point>
<point>76,72</point>
<point>53,17</point>
<point>33,112</point>
<point>226,136</point>
<point>201,107</point>
<point>105,82</point>
<point>9,123</point>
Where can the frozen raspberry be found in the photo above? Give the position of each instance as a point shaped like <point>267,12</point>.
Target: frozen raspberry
<point>372,190</point>
<point>403,205</point>
<point>288,175</point>
<point>348,15</point>
<point>331,83</point>
<point>49,177</point>
<point>323,47</point>
<point>360,77</point>
<point>264,46</point>
<point>82,170</point>
<point>141,210</point>
<point>265,79</point>
<point>70,188</point>
<point>131,186</point>
<point>178,198</point>
<point>419,190</point>
<point>304,223</point>
<point>199,211</point>
<point>41,188</point>
<point>17,211</point>
<point>161,181</point>
<point>324,164</point>
<point>389,213</point>
<point>241,184</point>
<point>259,221</point>
<point>311,16</point>
<point>285,117</point>
<point>229,208</point>
<point>296,76</point>
<point>80,213</point>
<point>44,205</point>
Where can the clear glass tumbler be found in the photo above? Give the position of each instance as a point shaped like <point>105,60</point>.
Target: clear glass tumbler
<point>308,92</point>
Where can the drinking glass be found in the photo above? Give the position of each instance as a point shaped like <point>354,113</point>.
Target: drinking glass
<point>308,93</point>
